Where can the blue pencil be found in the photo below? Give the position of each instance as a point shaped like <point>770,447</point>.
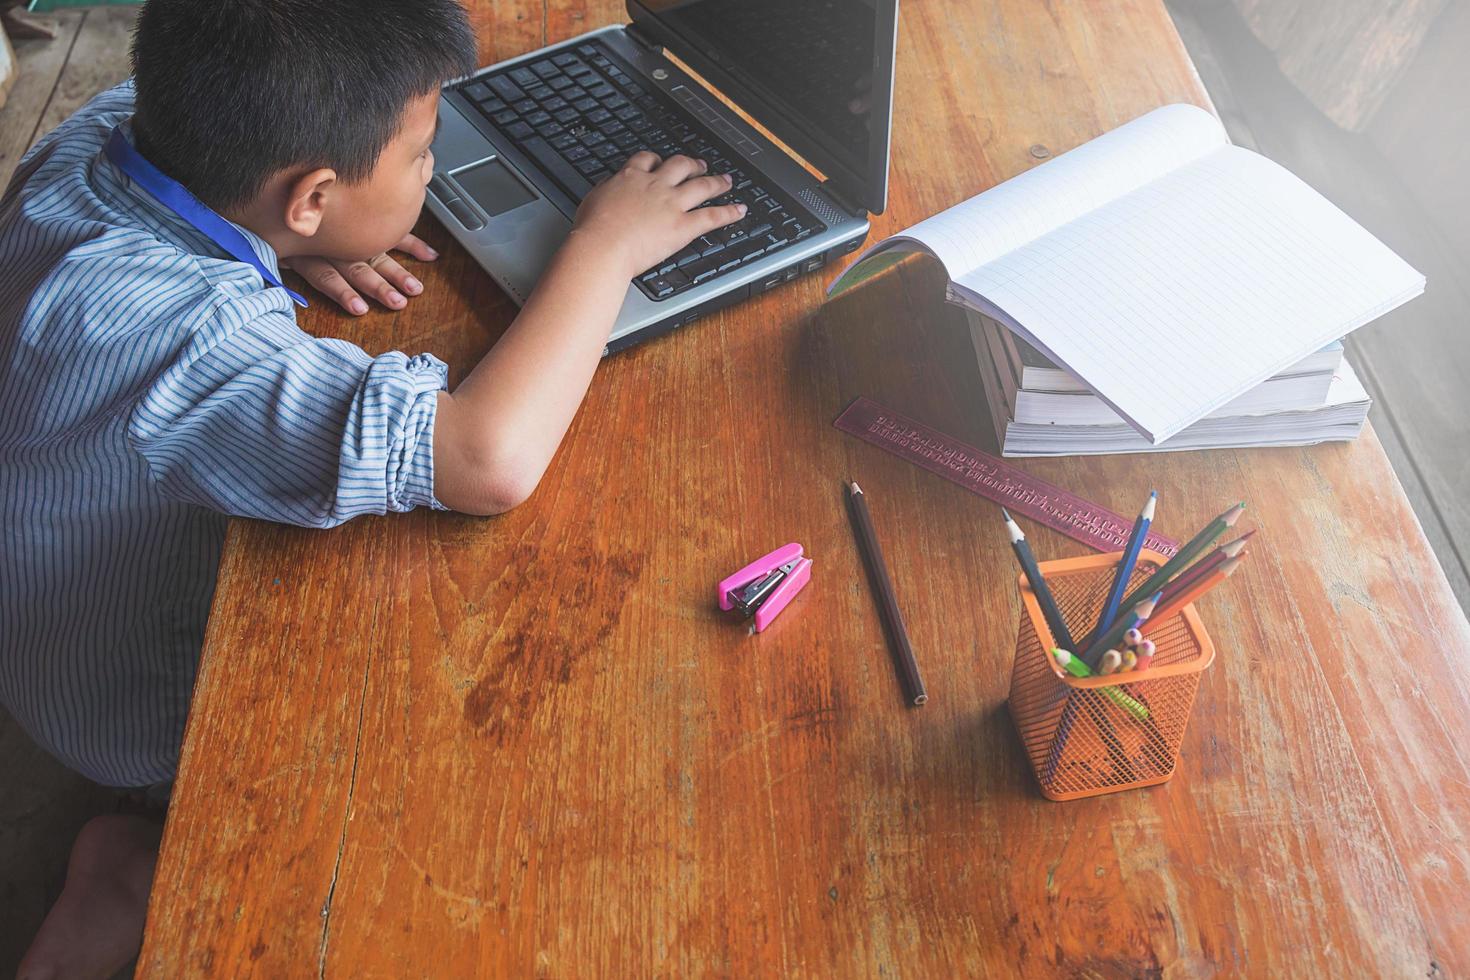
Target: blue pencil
<point>1126,565</point>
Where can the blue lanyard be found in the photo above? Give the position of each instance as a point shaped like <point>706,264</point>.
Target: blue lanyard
<point>174,196</point>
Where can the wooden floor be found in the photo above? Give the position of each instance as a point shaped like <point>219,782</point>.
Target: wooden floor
<point>1412,361</point>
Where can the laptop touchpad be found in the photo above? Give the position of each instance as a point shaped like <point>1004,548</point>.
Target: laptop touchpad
<point>494,187</point>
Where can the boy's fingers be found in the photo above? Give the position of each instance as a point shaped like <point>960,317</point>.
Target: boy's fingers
<point>364,278</point>
<point>676,169</point>
<point>397,275</point>
<point>697,190</point>
<point>328,281</point>
<point>417,247</point>
<point>708,219</point>
<point>644,160</point>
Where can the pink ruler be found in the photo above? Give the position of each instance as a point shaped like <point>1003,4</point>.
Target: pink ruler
<point>994,479</point>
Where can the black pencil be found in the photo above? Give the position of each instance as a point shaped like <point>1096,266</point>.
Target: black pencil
<point>1061,636</point>
<point>898,637</point>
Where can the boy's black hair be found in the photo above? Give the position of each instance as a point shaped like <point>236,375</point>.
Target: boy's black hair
<point>230,92</point>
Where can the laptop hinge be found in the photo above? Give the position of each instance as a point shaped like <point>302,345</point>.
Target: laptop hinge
<point>636,33</point>
<point>856,210</point>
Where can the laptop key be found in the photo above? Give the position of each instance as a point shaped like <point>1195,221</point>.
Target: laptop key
<point>523,77</point>
<point>576,152</point>
<point>505,88</point>
<point>701,271</point>
<point>538,118</point>
<point>560,82</point>
<point>554,104</point>
<point>524,106</point>
<point>564,141</point>
<point>541,93</point>
<point>589,166</point>
<point>505,118</point>
<point>519,131</point>
<point>545,69</point>
<point>562,172</point>
<point>566,116</point>
<point>550,129</point>
<point>677,279</point>
<point>478,91</point>
<point>564,59</point>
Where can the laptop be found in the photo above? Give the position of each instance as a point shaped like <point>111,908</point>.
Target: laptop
<point>522,142</point>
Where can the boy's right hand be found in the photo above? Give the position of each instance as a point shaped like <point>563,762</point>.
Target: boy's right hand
<point>650,209</point>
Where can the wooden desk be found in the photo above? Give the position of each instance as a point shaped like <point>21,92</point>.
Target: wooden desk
<point>438,745</point>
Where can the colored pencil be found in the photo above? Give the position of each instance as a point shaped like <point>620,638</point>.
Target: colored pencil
<point>898,637</point>
<point>1219,575</point>
<point>1205,566</point>
<point>1146,651</point>
<point>1060,635</point>
<point>1187,554</point>
<point>1077,668</point>
<point>1126,564</point>
<point>1111,663</point>
<point>1114,636</point>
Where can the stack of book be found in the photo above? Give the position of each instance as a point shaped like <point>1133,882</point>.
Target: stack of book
<point>1040,409</point>
<point>1158,289</point>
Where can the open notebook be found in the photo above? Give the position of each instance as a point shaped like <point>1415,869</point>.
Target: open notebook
<point>1168,270</point>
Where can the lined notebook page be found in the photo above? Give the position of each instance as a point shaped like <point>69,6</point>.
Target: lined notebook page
<point>1178,296</point>
<point>1053,193</point>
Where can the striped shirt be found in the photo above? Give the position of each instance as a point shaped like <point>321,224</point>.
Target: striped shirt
<point>149,386</point>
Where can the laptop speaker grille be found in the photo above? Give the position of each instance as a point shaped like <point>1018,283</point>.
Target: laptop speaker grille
<point>821,207</point>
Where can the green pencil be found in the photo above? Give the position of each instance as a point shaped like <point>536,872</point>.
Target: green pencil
<point>1187,554</point>
<point>1075,667</point>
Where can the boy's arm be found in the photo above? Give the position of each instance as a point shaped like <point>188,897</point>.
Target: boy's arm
<point>496,434</point>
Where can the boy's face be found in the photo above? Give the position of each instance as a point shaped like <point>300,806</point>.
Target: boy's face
<point>371,216</point>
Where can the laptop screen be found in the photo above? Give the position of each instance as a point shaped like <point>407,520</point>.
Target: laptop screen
<point>817,73</point>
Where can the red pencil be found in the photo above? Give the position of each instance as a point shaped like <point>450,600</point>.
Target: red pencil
<point>1192,575</point>
<point>1165,612</point>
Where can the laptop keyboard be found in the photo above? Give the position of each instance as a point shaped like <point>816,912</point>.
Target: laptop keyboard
<point>579,116</point>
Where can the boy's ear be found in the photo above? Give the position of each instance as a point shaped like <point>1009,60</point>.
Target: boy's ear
<point>306,200</point>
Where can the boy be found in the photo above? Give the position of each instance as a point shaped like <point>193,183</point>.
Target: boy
<point>153,379</point>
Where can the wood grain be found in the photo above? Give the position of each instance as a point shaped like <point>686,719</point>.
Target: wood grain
<point>1344,55</point>
<point>433,744</point>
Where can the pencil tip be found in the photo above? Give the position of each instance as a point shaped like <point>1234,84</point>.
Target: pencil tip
<point>853,487</point>
<point>1005,513</point>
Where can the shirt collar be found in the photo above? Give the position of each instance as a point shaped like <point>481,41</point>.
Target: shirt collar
<point>164,222</point>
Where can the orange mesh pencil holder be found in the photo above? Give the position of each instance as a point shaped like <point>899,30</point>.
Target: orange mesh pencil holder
<point>1086,736</point>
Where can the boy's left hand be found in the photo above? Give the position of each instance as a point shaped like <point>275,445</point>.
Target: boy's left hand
<point>380,277</point>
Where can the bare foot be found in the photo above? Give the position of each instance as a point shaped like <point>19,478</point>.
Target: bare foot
<point>96,926</point>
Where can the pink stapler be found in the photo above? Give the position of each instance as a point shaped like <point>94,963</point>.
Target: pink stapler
<point>767,585</point>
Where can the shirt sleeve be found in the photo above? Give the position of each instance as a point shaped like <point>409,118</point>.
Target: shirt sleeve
<point>257,418</point>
